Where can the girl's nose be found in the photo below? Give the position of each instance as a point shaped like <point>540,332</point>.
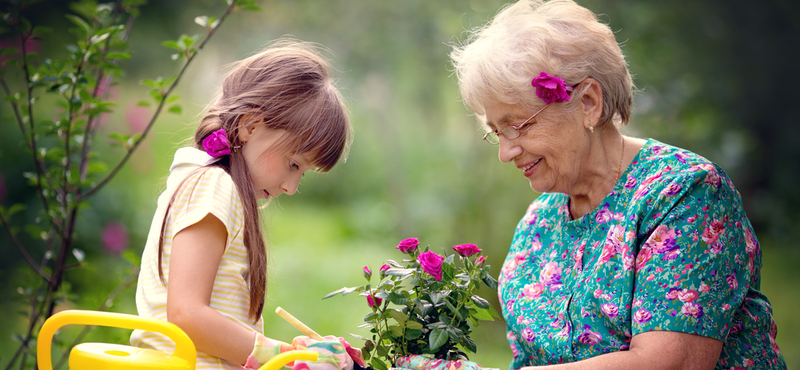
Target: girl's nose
<point>508,150</point>
<point>290,185</point>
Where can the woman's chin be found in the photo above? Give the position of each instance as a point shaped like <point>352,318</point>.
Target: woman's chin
<point>539,186</point>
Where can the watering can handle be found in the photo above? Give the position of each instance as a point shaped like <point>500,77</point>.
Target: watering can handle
<point>184,348</point>
<point>282,359</point>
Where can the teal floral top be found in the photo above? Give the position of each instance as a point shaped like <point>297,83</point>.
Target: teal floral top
<point>670,248</point>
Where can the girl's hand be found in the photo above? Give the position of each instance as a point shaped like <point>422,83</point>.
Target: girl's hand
<point>265,349</point>
<point>420,362</point>
<point>334,354</point>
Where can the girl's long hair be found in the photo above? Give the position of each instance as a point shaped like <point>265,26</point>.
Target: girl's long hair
<point>287,86</point>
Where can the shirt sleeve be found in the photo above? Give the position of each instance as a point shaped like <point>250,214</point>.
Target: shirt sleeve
<point>692,265</point>
<point>206,191</point>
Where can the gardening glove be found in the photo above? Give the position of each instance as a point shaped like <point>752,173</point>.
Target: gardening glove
<point>419,362</point>
<point>265,349</point>
<point>334,354</point>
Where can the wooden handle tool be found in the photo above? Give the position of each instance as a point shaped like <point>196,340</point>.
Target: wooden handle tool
<point>298,324</point>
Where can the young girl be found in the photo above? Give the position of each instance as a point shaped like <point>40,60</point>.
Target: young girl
<point>204,264</point>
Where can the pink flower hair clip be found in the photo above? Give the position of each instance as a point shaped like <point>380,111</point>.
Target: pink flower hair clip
<point>551,89</point>
<point>216,144</point>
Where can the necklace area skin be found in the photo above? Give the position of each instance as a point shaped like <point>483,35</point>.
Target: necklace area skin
<point>617,174</point>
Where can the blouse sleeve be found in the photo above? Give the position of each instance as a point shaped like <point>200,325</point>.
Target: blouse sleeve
<point>204,192</point>
<point>692,266</point>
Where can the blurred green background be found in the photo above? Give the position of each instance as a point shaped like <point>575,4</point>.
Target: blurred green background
<point>716,77</point>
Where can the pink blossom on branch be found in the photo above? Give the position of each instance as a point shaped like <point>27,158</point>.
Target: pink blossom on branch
<point>374,302</point>
<point>466,250</point>
<point>408,245</point>
<point>432,264</point>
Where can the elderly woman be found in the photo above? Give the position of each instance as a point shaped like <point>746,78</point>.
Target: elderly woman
<point>638,254</point>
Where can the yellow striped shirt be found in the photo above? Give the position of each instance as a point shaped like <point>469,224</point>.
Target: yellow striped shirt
<point>207,191</point>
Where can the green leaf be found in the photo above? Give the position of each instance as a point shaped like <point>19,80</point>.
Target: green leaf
<point>453,309</point>
<point>201,20</point>
<point>120,55</point>
<point>436,297</point>
<point>377,364</point>
<point>397,315</point>
<point>344,291</point>
<point>480,302</point>
<point>437,339</point>
<point>397,330</point>
<point>397,299</point>
<point>172,45</point>
<point>483,314</point>
<point>372,316</point>
<point>413,326</point>
<point>6,213</point>
<point>144,103</point>
<point>468,344</point>
<point>175,109</point>
<point>489,280</point>
<point>403,273</point>
<point>83,28</point>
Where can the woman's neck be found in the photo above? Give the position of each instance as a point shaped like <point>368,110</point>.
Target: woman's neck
<point>615,152</point>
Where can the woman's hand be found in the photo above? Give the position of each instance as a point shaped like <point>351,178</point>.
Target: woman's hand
<point>420,362</point>
<point>655,350</point>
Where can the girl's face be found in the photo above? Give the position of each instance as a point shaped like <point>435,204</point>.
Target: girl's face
<point>273,171</point>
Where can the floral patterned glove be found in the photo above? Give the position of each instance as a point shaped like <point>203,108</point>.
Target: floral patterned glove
<point>263,350</point>
<point>419,362</point>
<point>334,354</point>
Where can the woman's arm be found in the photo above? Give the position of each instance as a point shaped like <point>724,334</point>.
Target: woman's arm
<point>196,254</point>
<point>655,350</point>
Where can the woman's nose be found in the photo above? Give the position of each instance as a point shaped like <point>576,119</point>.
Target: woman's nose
<point>508,150</point>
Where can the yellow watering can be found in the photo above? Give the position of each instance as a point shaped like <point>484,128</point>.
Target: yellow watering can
<point>106,356</point>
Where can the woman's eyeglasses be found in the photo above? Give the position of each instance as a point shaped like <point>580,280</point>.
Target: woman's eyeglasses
<point>510,132</point>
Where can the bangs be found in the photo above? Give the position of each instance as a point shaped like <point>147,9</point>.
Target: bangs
<point>321,128</point>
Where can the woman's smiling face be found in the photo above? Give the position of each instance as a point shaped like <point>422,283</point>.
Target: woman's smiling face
<point>274,171</point>
<point>550,149</point>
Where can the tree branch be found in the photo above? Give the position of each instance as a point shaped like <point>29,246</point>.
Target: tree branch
<point>158,109</point>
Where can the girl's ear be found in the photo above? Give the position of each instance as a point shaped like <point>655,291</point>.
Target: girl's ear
<point>592,101</point>
<point>247,127</point>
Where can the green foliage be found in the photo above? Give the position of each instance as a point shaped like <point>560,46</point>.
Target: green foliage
<point>423,307</point>
<point>72,92</point>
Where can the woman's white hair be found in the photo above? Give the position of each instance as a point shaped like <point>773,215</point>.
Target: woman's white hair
<point>498,61</point>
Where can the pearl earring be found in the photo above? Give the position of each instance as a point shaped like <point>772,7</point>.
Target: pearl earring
<point>591,128</point>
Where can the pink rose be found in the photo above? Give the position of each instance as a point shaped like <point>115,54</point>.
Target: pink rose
<point>551,89</point>
<point>480,261</point>
<point>466,250</point>
<point>216,144</point>
<point>431,263</point>
<point>367,272</point>
<point>374,302</point>
<point>408,245</point>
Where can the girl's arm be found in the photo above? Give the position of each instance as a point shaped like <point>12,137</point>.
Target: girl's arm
<point>196,254</point>
<point>655,350</point>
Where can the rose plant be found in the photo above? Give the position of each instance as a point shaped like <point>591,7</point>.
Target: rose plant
<point>425,305</point>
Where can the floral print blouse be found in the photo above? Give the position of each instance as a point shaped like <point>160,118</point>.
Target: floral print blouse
<point>670,248</point>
